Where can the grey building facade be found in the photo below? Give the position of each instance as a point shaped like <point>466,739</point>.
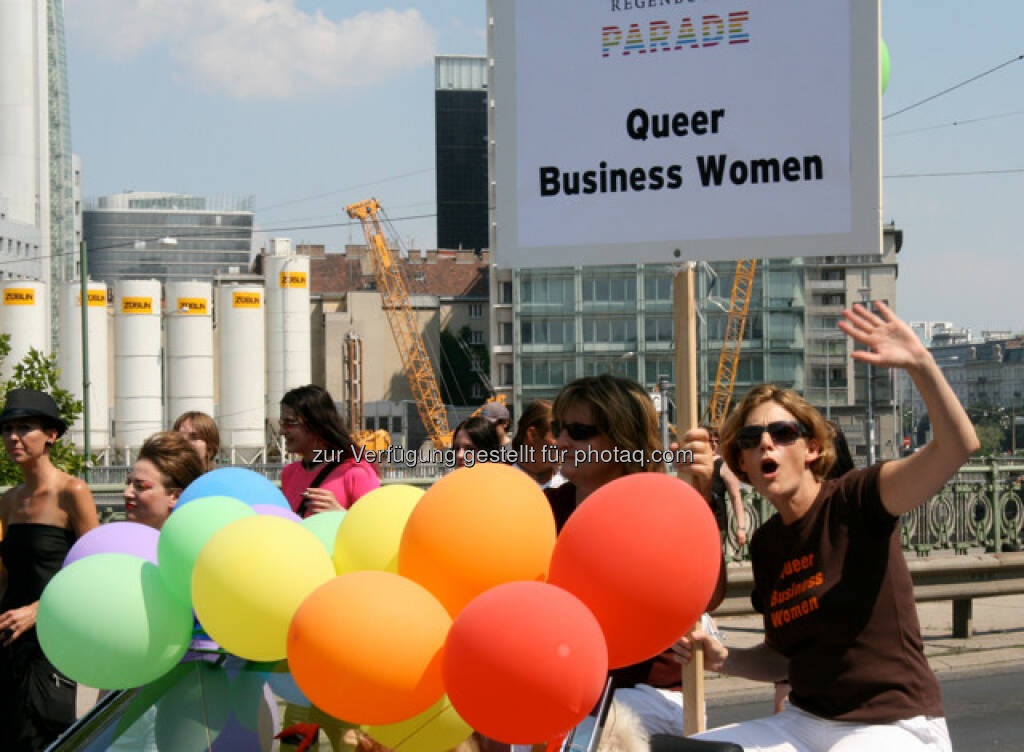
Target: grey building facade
<point>166,236</point>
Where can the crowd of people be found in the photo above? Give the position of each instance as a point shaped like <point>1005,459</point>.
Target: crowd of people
<point>841,637</point>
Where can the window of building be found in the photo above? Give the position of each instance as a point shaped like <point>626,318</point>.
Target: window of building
<point>505,293</point>
<point>476,310</point>
<point>658,288</point>
<point>548,373</point>
<point>505,333</point>
<point>609,331</point>
<point>505,374</point>
<point>476,391</point>
<point>476,337</point>
<point>396,424</point>
<point>658,329</point>
<point>547,332</point>
<point>371,422</point>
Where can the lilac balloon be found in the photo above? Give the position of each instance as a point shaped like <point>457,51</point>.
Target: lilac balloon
<point>277,511</point>
<point>116,538</point>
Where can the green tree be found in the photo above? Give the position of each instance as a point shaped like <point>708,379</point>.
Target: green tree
<point>38,371</point>
<point>458,376</point>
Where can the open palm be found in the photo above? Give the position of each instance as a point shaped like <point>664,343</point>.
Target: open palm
<point>890,342</point>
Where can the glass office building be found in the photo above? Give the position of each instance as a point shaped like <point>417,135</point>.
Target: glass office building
<point>124,234</point>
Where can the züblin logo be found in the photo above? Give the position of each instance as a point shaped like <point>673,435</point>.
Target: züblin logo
<point>293,279</point>
<point>245,300</point>
<point>19,296</point>
<point>136,305</point>
<point>663,36</point>
<point>192,305</point>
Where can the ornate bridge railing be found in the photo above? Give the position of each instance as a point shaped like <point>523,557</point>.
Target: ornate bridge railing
<point>980,509</point>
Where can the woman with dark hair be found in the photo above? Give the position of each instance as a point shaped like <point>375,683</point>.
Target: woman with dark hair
<point>534,445</point>
<point>830,577</point>
<point>475,434</point>
<point>167,464</point>
<point>201,431</point>
<point>327,476</point>
<point>598,415</point>
<point>40,519</point>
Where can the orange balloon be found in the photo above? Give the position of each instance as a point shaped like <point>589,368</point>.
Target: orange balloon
<point>643,553</point>
<point>366,647</point>
<point>525,662</point>
<point>476,528</point>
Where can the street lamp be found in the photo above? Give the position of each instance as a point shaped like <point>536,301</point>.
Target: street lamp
<point>83,276</point>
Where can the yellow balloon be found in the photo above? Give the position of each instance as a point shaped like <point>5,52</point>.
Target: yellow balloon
<point>436,729</point>
<point>249,580</point>
<point>371,532</point>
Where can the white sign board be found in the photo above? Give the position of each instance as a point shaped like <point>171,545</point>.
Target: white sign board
<point>662,130</point>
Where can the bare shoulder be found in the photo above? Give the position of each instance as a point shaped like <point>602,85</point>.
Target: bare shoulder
<point>77,501</point>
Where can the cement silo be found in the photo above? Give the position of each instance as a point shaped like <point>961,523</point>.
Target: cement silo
<point>188,337</point>
<point>242,363</point>
<point>23,317</point>
<point>138,407</point>
<point>288,335</point>
<point>69,359</point>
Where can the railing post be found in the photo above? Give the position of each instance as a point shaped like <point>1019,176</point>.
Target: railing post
<point>963,618</point>
<point>997,506</point>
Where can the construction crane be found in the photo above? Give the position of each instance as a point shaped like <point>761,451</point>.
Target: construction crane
<point>404,327</point>
<point>728,359</point>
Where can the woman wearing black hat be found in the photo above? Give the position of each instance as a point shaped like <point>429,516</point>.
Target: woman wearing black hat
<point>39,521</point>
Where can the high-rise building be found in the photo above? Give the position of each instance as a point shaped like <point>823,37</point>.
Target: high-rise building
<point>166,236</point>
<point>554,325</point>
<point>460,123</point>
<point>36,203</point>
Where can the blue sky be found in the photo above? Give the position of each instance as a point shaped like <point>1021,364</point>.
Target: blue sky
<point>310,105</point>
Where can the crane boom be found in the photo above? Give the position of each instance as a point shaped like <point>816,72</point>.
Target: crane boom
<point>728,359</point>
<point>404,327</point>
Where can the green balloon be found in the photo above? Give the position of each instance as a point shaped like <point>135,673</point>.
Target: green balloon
<point>325,527</point>
<point>110,622</point>
<point>193,712</point>
<point>186,532</point>
<point>885,66</point>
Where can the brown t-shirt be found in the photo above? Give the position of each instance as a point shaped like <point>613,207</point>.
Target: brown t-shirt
<point>838,601</point>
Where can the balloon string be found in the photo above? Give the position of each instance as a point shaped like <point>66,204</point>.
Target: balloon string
<point>422,726</point>
<point>952,88</point>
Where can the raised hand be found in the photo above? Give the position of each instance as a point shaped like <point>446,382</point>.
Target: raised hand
<point>890,342</point>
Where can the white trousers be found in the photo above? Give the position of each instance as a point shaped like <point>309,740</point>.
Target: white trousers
<point>795,730</point>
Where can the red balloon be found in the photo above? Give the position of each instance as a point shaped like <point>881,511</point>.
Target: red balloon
<point>524,662</point>
<point>643,552</point>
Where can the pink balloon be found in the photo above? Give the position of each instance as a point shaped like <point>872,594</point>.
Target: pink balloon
<point>277,511</point>
<point>116,538</point>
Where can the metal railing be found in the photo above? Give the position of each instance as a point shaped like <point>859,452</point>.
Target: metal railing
<point>979,510</point>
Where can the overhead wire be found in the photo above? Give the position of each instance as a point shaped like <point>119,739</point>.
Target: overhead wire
<point>954,87</point>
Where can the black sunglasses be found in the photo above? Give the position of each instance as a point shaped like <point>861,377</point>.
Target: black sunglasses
<point>576,431</point>
<point>781,431</point>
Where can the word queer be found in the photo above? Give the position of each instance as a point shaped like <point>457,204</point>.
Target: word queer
<point>662,36</point>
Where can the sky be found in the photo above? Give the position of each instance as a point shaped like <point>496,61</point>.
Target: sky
<point>309,105</point>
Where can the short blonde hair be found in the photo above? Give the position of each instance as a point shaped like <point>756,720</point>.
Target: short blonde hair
<point>622,411</point>
<point>803,411</point>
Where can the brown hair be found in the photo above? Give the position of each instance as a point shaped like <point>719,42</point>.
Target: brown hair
<point>206,429</point>
<point>802,410</point>
<point>622,411</point>
<point>536,415</point>
<point>173,456</point>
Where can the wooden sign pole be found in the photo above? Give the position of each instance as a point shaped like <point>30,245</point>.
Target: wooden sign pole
<point>685,326</point>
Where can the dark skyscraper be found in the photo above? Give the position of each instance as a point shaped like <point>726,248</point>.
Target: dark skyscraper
<point>460,108</point>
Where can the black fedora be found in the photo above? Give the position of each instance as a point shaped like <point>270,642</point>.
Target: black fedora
<point>31,403</point>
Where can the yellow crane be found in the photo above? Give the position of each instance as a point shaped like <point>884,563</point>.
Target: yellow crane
<point>404,327</point>
<point>728,359</point>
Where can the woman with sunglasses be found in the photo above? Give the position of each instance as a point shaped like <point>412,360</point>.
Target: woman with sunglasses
<point>328,475</point>
<point>167,464</point>
<point>829,573</point>
<point>602,417</point>
<point>40,519</point>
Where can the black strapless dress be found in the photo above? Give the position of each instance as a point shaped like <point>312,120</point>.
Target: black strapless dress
<point>37,702</point>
